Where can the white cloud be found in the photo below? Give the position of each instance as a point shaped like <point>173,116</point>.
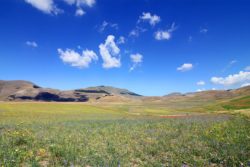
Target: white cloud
<point>136,60</point>
<point>81,3</point>
<point>162,35</point>
<point>76,59</point>
<point>203,30</point>
<point>49,6</point>
<point>245,84</point>
<point>110,53</point>
<point>200,90</point>
<point>106,25</point>
<point>185,67</point>
<point>46,6</point>
<point>32,44</point>
<point>229,65</point>
<point>145,17</point>
<point>79,12</point>
<point>165,35</point>
<point>121,40</point>
<point>136,31</point>
<point>200,83</point>
<point>247,68</point>
<point>103,26</point>
<point>231,80</point>
<point>148,17</point>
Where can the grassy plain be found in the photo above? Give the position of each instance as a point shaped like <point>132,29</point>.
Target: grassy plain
<point>75,134</point>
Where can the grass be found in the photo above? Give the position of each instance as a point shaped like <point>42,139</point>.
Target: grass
<point>239,103</point>
<point>60,134</point>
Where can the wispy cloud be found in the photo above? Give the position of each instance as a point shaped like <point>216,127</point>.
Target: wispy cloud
<point>110,53</point>
<point>152,19</point>
<point>106,25</point>
<point>229,65</point>
<point>32,44</point>
<point>247,68</point>
<point>76,59</point>
<point>121,40</point>
<point>203,30</point>
<point>81,3</point>
<point>185,67</point>
<point>137,31</point>
<point>201,83</point>
<point>165,35</point>
<point>190,38</point>
<point>136,59</point>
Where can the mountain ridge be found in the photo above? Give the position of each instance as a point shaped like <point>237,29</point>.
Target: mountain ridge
<point>21,90</point>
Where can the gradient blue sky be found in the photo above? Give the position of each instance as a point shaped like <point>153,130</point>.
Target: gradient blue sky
<point>211,36</point>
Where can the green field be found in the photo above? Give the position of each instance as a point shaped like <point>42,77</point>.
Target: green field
<point>74,134</point>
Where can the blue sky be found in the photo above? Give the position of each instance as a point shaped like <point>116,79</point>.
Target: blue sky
<point>151,47</point>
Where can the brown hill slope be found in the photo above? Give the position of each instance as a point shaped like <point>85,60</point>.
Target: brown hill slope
<point>23,90</point>
<point>27,91</point>
<point>214,99</point>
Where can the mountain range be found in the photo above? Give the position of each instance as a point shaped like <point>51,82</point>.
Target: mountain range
<point>19,90</point>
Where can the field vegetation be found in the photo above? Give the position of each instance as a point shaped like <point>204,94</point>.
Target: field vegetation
<point>75,134</point>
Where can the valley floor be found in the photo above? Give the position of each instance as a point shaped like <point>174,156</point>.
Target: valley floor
<point>76,134</point>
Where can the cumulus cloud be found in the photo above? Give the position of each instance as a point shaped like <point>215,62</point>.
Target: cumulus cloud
<point>231,80</point>
<point>162,35</point>
<point>185,67</point>
<point>76,59</point>
<point>136,60</point>
<point>31,44</point>
<point>46,6</point>
<point>247,68</point>
<point>49,6</point>
<point>200,83</point>
<point>152,19</point>
<point>110,53</point>
<point>165,34</point>
<point>106,25</point>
